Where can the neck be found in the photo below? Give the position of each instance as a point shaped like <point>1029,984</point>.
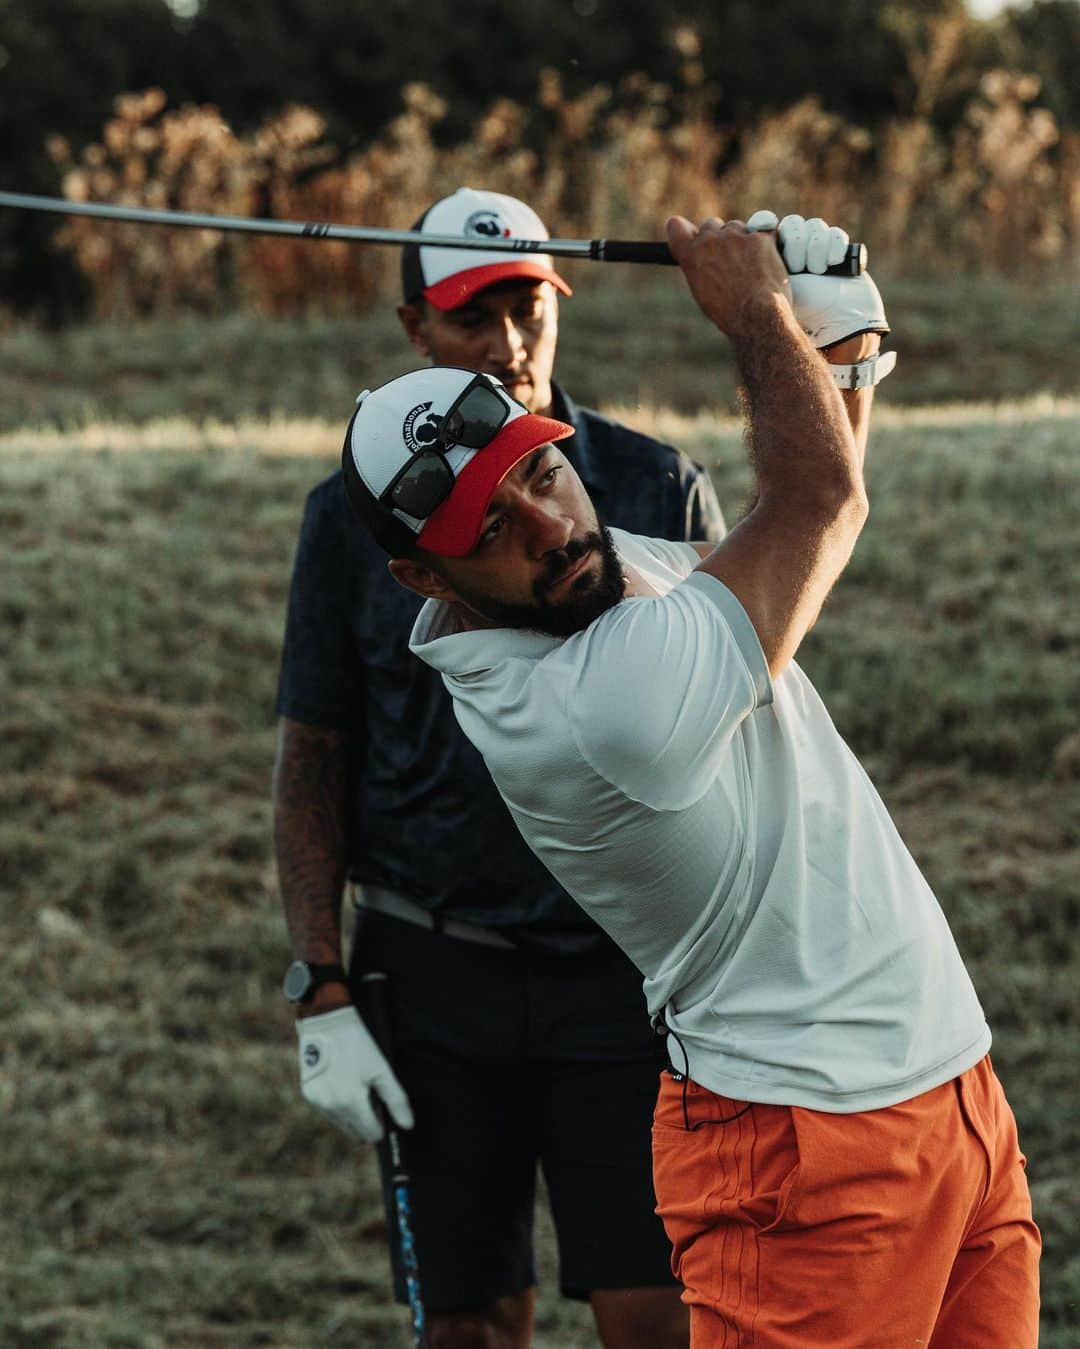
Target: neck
<point>552,408</point>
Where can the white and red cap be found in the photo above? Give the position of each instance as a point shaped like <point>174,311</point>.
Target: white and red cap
<point>400,419</point>
<point>449,277</point>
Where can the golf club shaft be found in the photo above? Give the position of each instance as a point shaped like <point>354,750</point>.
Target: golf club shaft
<point>594,250</point>
<point>396,1181</point>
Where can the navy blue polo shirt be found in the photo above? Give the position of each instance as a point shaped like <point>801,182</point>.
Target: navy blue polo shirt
<point>426,819</point>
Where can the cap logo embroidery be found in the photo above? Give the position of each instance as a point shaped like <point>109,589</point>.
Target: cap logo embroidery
<point>418,436</point>
<point>486,224</point>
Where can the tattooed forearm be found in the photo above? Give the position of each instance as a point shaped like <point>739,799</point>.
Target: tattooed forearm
<point>310,802</point>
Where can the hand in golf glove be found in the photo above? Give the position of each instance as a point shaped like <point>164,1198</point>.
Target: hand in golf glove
<point>829,308</point>
<point>341,1066</point>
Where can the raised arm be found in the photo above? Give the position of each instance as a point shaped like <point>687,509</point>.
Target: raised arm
<point>784,557</point>
<point>858,404</point>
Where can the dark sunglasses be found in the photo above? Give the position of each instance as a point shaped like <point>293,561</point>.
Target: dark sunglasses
<point>473,420</point>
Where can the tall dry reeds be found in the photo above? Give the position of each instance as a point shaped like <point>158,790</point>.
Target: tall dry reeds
<point>1000,192</point>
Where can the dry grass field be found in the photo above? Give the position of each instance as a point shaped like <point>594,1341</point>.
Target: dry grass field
<point>643,343</point>
<point>164,1185</point>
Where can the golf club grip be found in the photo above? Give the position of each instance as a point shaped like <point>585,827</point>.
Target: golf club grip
<point>627,250</point>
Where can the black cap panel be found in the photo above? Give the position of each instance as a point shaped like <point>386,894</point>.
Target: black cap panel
<point>390,533</point>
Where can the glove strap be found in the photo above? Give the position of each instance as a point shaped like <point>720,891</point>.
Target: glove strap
<point>864,374</point>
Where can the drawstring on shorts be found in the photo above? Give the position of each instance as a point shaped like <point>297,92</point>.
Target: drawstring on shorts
<point>663,1031</point>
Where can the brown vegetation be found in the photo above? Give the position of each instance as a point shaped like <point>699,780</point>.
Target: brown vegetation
<point>1000,191</point>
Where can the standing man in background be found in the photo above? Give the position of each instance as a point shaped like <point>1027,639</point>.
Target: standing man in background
<point>521,1032</point>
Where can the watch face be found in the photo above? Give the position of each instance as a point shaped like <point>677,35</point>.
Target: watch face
<point>297,980</point>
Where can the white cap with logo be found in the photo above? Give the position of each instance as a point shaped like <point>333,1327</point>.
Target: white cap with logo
<point>428,449</point>
<point>449,277</point>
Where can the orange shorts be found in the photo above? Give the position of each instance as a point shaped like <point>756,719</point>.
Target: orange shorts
<point>887,1229</point>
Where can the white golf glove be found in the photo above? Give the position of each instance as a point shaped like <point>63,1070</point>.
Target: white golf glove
<point>340,1066</point>
<point>829,308</point>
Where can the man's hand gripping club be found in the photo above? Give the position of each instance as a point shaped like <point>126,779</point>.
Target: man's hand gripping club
<point>844,317</point>
<point>829,309</point>
<point>341,1067</point>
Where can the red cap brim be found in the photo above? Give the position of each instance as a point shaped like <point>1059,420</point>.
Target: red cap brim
<point>456,290</point>
<point>452,531</point>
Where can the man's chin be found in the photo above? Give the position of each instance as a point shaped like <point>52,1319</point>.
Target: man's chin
<point>577,614</point>
<point>582,576</point>
<point>578,599</point>
<point>588,594</point>
<point>524,392</point>
<point>577,611</point>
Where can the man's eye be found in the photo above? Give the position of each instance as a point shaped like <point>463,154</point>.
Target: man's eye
<point>492,530</point>
<point>549,477</point>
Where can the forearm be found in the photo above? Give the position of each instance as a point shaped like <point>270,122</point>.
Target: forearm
<point>802,442</point>
<point>310,802</point>
<point>857,406</point>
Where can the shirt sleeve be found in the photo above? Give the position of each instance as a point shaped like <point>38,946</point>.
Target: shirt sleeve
<point>678,554</point>
<point>662,686</point>
<point>319,682</point>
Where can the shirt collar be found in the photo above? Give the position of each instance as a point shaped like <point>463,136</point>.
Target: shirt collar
<point>578,448</point>
<point>440,643</point>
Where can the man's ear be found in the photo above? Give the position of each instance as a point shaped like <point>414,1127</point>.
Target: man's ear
<point>423,579</point>
<point>412,318</point>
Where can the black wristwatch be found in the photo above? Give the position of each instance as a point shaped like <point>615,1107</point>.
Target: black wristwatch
<point>302,979</point>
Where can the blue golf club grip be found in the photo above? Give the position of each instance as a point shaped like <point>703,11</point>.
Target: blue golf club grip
<point>626,250</point>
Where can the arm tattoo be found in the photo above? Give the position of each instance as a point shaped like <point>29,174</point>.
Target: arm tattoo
<point>311,778</point>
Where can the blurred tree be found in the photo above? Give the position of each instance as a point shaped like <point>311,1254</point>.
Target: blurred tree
<point>63,61</point>
<point>842,51</point>
<point>1044,38</point>
<point>351,61</point>
<point>61,64</point>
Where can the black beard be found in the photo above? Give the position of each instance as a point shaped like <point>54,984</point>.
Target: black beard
<point>588,597</point>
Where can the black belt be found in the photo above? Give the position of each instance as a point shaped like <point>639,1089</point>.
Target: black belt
<point>393,905</point>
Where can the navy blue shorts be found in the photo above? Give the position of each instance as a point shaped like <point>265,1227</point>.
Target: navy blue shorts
<point>512,1060</point>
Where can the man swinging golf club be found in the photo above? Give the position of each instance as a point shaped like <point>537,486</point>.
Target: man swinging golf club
<point>835,1162</point>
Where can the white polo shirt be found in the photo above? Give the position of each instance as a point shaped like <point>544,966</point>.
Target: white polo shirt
<point>715,824</point>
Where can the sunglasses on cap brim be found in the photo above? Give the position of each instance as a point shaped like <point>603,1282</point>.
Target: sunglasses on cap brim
<point>472,421</point>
